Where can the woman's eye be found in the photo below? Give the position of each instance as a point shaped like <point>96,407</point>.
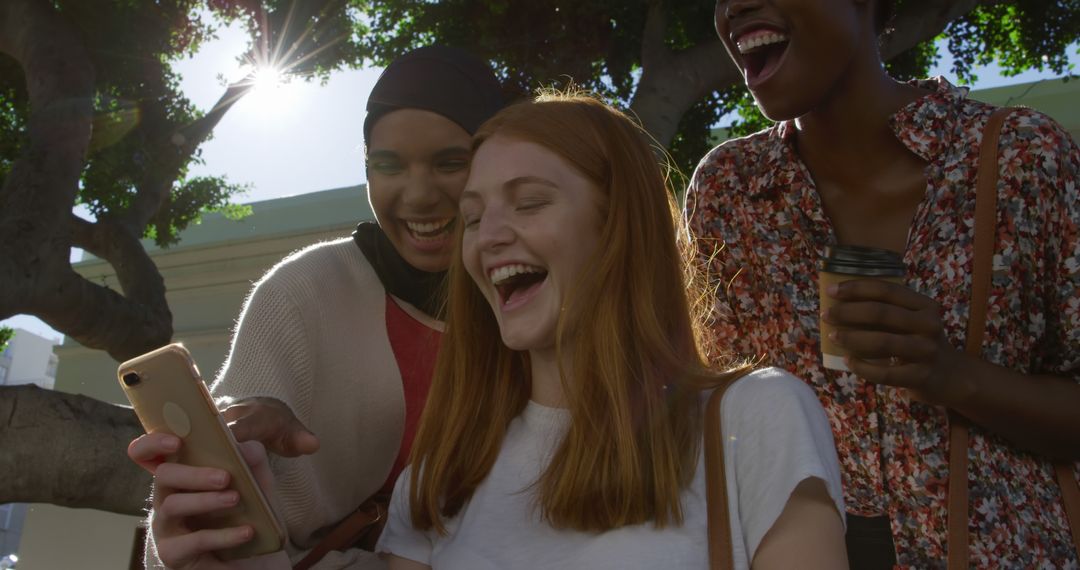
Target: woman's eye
<point>469,217</point>
<point>452,165</point>
<point>528,205</point>
<point>385,167</point>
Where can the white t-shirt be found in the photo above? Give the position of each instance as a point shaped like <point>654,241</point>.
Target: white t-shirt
<point>775,436</point>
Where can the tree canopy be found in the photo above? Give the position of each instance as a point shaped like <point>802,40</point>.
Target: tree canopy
<point>618,47</point>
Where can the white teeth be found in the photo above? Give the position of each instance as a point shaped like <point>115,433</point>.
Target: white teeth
<point>428,227</point>
<point>500,274</point>
<point>755,40</point>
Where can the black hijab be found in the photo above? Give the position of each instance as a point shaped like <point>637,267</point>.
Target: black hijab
<point>422,289</point>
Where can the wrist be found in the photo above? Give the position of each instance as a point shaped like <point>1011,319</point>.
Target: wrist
<point>961,379</point>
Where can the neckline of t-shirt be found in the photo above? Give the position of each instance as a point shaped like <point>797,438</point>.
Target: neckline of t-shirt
<point>539,416</point>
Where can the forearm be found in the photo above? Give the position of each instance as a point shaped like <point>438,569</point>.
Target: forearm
<point>808,534</point>
<point>1037,413</point>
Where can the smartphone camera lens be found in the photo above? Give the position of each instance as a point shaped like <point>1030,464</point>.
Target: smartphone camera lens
<point>131,379</point>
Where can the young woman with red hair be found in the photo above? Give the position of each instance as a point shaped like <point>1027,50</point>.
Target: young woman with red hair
<point>564,424</point>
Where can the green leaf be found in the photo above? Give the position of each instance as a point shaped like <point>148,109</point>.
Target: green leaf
<point>6,334</point>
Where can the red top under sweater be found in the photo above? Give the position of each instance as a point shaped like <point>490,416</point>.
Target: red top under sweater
<point>415,345</point>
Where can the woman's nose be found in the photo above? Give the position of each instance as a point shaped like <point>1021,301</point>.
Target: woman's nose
<point>736,8</point>
<point>421,191</point>
<point>493,231</point>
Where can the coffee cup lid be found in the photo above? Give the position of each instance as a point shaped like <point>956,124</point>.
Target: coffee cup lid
<point>860,260</point>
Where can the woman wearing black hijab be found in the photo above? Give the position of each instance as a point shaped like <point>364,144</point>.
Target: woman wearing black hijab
<point>341,337</point>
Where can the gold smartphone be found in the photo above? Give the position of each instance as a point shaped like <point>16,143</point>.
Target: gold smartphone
<point>168,395</point>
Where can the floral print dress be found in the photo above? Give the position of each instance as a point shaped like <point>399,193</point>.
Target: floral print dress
<point>761,227</point>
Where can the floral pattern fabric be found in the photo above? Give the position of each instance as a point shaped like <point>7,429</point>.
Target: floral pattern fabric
<point>760,226</point>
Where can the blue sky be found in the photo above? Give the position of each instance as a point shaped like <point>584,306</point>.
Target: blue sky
<point>305,137</point>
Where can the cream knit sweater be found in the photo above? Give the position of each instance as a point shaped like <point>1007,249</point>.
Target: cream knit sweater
<point>313,335</point>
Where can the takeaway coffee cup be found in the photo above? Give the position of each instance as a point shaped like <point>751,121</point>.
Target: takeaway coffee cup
<point>843,263</point>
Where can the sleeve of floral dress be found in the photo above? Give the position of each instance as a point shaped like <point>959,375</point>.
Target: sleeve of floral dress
<point>1063,249</point>
<point>1041,166</point>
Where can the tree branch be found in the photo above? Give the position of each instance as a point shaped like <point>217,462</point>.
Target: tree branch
<point>172,153</point>
<point>294,27</point>
<point>136,272</point>
<point>666,91</point>
<point>917,22</point>
<point>98,317</point>
<point>85,465</point>
<point>654,52</point>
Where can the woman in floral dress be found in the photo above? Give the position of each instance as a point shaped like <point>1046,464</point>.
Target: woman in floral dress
<point>858,158</point>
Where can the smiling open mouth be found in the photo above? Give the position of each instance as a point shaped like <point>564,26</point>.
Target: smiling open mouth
<point>515,282</point>
<point>430,231</point>
<point>761,52</point>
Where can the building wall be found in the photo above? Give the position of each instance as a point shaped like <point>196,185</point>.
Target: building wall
<point>11,522</point>
<point>207,275</point>
<point>29,359</point>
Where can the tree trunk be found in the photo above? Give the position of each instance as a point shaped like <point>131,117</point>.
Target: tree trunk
<point>40,188</point>
<point>671,83</point>
<point>84,463</point>
<point>38,193</point>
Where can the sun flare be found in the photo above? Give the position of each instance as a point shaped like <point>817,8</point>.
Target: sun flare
<point>272,93</point>
<point>267,78</point>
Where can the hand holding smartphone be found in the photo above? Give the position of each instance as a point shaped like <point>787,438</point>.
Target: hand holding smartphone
<point>168,395</point>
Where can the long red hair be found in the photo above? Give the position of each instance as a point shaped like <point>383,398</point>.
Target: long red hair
<point>638,364</point>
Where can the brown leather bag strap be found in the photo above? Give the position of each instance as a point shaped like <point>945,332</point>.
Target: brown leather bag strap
<point>1070,496</point>
<point>371,515</point>
<point>958,493</point>
<point>982,267</point>
<point>721,555</point>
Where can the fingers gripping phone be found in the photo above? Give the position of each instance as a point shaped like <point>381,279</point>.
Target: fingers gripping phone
<point>168,395</point>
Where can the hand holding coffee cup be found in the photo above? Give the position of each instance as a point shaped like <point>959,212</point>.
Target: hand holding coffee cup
<point>876,327</point>
<point>845,263</point>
